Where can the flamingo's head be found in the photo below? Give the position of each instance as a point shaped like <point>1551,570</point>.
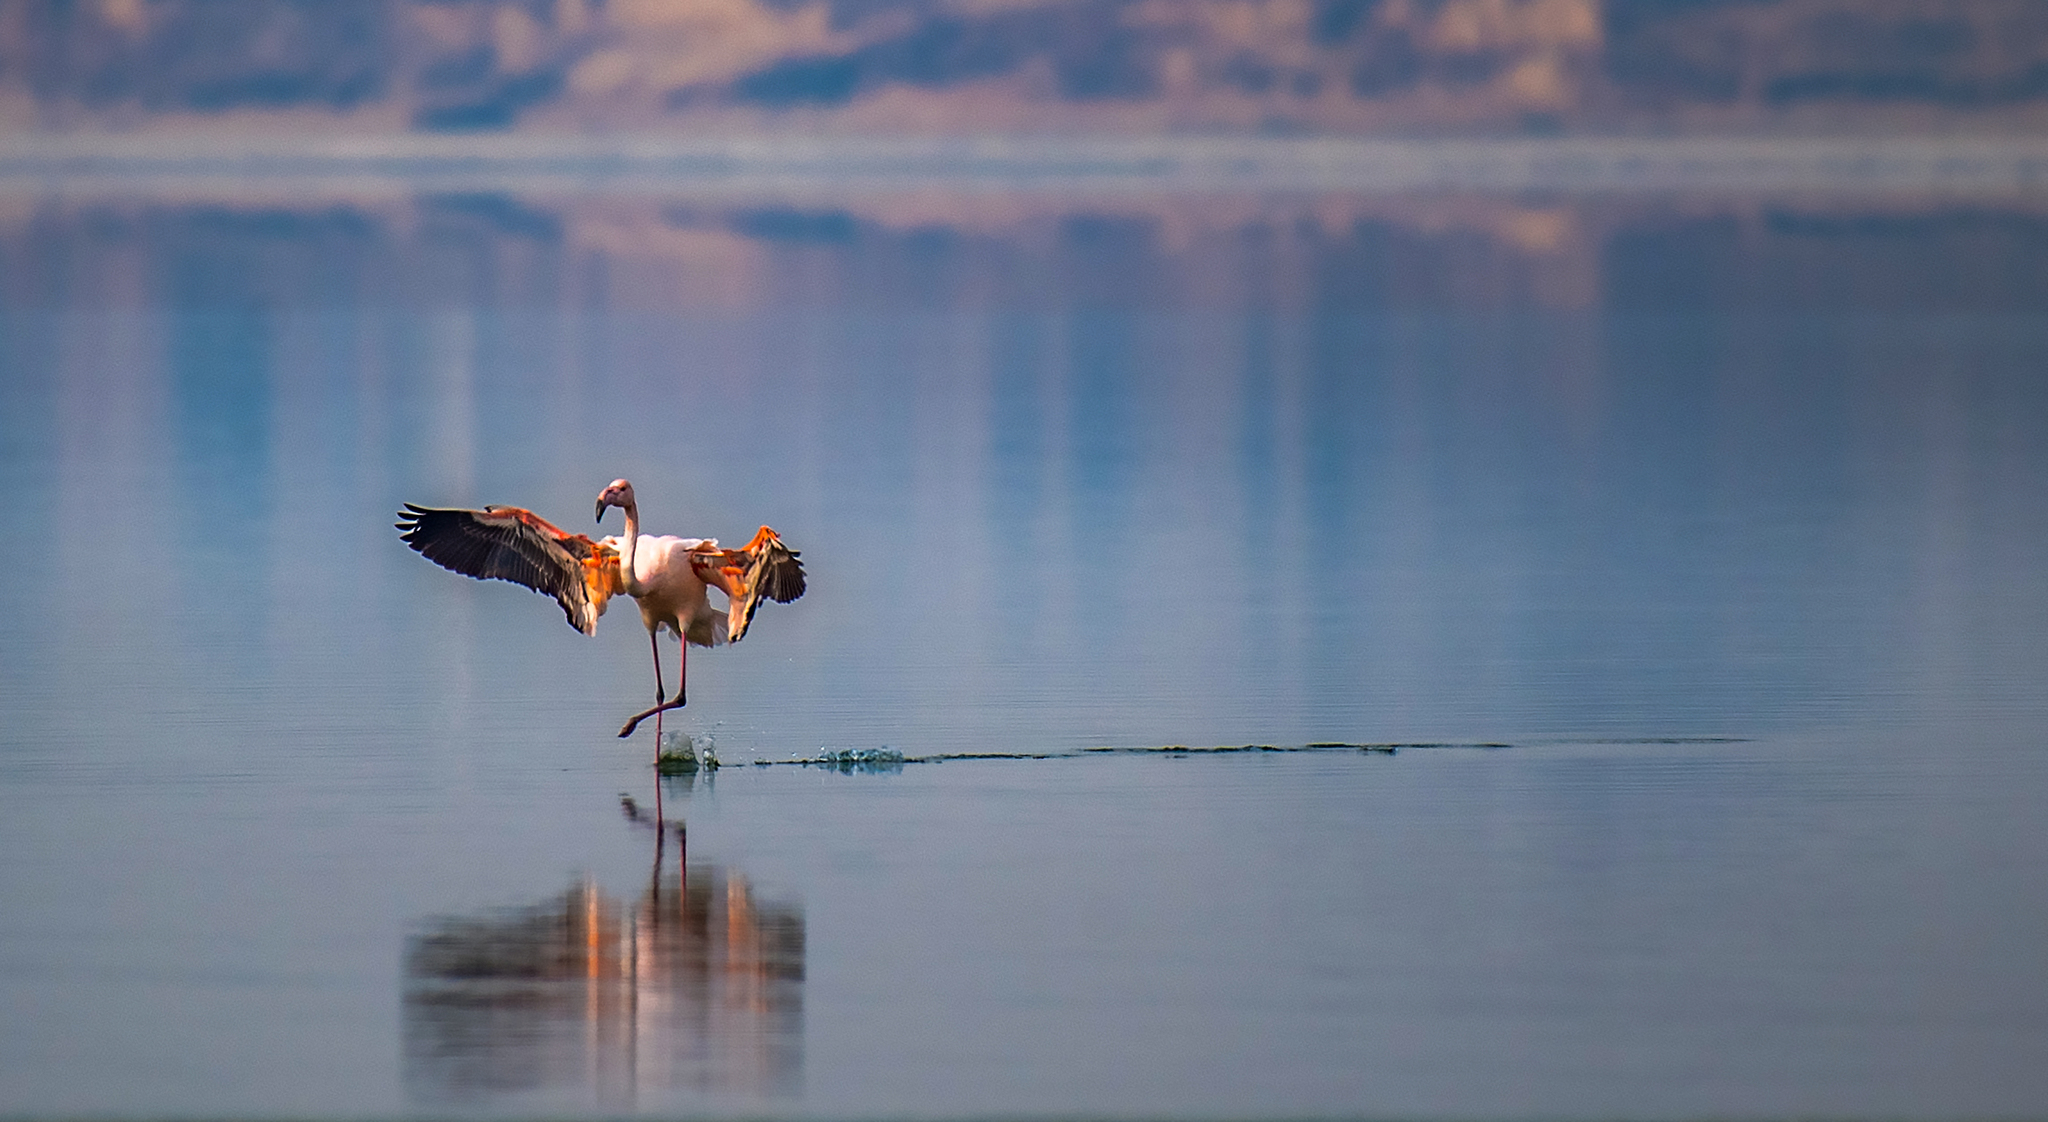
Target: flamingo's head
<point>619,494</point>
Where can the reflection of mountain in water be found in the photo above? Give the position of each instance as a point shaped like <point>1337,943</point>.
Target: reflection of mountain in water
<point>260,246</point>
<point>696,986</point>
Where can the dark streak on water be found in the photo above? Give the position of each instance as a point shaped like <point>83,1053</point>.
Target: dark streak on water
<point>883,758</point>
<point>850,760</point>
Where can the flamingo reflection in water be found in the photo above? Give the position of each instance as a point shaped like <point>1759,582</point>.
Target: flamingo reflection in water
<point>669,577</point>
<point>695,987</point>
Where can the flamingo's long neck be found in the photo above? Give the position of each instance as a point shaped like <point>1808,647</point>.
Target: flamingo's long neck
<point>628,576</point>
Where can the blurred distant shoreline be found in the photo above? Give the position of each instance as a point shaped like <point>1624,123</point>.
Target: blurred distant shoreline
<point>1970,165</point>
<point>1258,69</point>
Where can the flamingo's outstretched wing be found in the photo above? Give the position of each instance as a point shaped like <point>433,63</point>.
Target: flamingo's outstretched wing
<point>763,569</point>
<point>507,543</point>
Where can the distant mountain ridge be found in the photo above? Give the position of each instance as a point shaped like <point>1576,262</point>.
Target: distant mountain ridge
<point>962,65</point>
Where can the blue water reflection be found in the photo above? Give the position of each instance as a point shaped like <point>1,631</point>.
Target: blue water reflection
<point>1727,515</point>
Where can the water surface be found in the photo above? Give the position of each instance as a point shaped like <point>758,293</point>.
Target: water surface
<point>1720,518</point>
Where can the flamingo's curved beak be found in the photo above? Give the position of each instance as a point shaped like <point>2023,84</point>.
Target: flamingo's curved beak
<point>601,504</point>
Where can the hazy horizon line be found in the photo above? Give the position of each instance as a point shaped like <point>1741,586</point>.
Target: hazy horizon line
<point>1974,164</point>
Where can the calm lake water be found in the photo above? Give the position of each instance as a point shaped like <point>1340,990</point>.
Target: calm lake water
<point>1691,553</point>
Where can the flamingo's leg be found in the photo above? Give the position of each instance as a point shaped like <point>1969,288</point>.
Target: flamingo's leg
<point>654,644</point>
<point>633,722</point>
<point>660,706</point>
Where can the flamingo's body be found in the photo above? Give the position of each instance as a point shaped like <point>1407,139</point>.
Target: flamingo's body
<point>669,577</point>
<point>672,593</point>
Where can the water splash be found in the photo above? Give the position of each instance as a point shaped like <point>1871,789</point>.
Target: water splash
<point>685,754</point>
<point>850,760</point>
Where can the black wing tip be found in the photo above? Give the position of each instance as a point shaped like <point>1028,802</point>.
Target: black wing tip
<point>412,526</point>
<point>785,578</point>
<point>412,518</point>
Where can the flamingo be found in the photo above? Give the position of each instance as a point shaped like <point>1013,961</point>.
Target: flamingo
<point>668,576</point>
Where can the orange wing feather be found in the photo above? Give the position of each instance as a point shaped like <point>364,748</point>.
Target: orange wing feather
<point>762,569</point>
